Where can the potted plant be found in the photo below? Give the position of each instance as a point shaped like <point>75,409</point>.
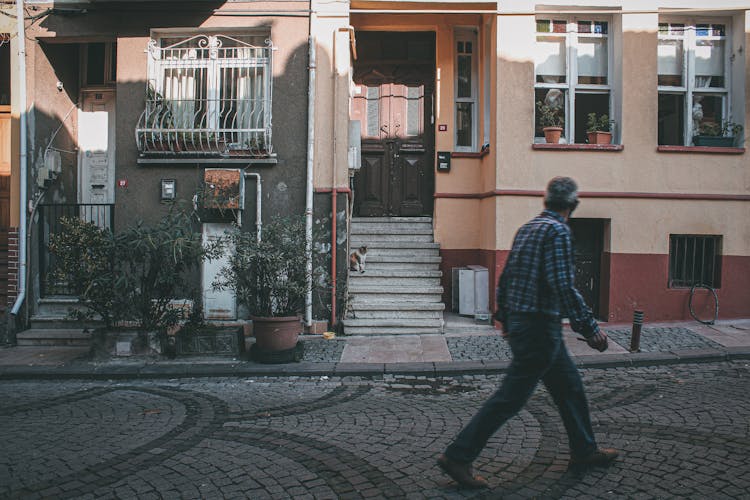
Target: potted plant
<point>197,337</point>
<point>129,281</point>
<point>269,278</point>
<point>723,134</point>
<point>599,129</point>
<point>550,121</point>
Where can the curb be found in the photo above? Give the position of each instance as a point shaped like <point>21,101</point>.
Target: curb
<point>167,370</point>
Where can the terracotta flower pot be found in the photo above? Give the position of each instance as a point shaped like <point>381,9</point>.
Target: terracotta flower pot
<point>552,134</point>
<point>276,334</point>
<point>600,137</point>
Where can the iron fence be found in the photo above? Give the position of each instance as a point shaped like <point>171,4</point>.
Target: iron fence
<point>49,224</point>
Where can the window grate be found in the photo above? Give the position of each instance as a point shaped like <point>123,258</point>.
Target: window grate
<point>694,260</point>
<point>208,94</point>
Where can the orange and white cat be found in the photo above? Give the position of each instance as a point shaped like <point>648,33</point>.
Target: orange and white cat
<point>357,259</point>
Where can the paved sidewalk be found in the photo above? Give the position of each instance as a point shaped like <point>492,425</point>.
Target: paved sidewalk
<point>465,348</point>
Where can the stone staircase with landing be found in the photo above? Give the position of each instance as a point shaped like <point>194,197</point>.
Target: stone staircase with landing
<point>51,325</point>
<point>400,291</point>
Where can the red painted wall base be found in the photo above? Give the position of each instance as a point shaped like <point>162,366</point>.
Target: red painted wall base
<point>629,282</point>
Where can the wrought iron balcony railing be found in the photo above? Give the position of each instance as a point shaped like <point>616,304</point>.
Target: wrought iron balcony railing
<point>207,95</point>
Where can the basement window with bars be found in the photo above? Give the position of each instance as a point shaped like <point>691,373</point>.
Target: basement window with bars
<point>208,94</point>
<point>694,260</point>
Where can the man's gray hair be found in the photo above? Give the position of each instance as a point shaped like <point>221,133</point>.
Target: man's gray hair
<point>562,193</point>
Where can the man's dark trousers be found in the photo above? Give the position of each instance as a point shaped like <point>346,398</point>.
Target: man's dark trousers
<point>538,354</point>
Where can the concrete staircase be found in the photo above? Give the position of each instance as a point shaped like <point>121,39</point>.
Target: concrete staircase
<point>400,291</point>
<point>51,326</point>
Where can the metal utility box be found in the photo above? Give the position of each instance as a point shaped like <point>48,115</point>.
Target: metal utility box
<point>470,291</point>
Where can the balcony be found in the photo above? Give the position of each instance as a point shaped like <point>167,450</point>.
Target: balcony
<point>208,99</point>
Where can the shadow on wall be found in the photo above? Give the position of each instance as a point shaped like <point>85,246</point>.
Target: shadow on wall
<point>283,184</point>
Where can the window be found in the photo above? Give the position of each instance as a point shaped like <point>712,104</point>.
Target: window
<point>98,64</point>
<point>209,94</point>
<point>466,90</point>
<point>572,73</point>
<point>694,260</point>
<point>693,80</point>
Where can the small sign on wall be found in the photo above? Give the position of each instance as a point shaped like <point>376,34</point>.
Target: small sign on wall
<point>123,183</point>
<point>444,161</point>
<point>442,128</point>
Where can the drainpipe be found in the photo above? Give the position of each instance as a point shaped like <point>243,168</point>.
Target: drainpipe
<point>22,160</point>
<point>309,185</point>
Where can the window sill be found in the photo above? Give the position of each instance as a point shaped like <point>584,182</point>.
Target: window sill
<point>481,154</point>
<point>578,147</point>
<point>700,149</point>
<point>206,160</point>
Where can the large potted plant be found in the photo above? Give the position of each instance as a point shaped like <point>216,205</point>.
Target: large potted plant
<point>550,121</point>
<point>269,278</point>
<point>724,134</point>
<point>130,280</point>
<point>599,129</point>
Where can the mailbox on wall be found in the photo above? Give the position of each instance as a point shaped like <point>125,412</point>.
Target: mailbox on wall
<point>444,161</point>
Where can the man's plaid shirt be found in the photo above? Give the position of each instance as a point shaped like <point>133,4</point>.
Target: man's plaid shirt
<point>539,275</point>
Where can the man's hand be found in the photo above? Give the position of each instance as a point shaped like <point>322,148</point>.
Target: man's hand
<point>598,341</point>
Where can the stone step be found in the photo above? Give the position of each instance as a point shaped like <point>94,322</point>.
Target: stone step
<point>391,330</point>
<point>365,239</point>
<point>396,273</point>
<point>373,251</point>
<point>369,230</point>
<point>394,323</point>
<point>394,314</point>
<point>382,220</point>
<point>411,281</point>
<point>57,306</point>
<point>53,337</point>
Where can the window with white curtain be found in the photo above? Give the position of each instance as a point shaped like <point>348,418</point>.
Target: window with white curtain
<point>572,72</point>
<point>209,92</point>
<point>467,89</point>
<point>693,79</point>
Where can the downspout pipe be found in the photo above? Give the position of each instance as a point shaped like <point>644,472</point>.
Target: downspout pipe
<point>309,183</point>
<point>22,160</point>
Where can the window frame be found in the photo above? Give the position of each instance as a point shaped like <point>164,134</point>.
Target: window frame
<point>109,78</point>
<point>213,57</point>
<point>466,34</point>
<point>682,281</point>
<point>688,89</point>
<point>571,86</point>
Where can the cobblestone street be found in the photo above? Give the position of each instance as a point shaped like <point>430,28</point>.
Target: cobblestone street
<point>684,431</point>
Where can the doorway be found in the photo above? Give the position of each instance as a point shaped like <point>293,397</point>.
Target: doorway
<point>393,99</point>
<point>588,243</point>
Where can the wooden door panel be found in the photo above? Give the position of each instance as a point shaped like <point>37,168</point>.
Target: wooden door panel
<point>393,101</point>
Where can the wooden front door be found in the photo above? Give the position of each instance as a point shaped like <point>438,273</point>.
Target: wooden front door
<point>393,100</point>
<point>588,237</point>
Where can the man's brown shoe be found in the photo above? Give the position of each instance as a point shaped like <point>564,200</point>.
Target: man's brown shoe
<point>461,473</point>
<point>601,457</point>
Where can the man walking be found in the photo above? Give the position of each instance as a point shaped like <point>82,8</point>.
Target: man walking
<point>536,290</point>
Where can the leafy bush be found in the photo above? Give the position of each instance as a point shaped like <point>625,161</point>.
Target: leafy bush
<point>269,277</point>
<point>723,129</point>
<point>598,124</point>
<point>549,116</point>
<point>134,275</point>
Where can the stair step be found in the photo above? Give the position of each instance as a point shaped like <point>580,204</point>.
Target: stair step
<point>375,230</point>
<point>53,337</point>
<point>392,330</point>
<point>395,322</point>
<point>396,273</point>
<point>365,239</point>
<point>403,258</point>
<point>386,289</point>
<point>381,220</point>
<point>410,281</point>
<point>421,314</point>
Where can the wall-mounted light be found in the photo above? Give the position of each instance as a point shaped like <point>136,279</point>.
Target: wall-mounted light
<point>168,189</point>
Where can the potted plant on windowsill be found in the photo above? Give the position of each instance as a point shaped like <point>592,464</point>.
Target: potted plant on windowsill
<point>269,279</point>
<point>599,129</point>
<point>724,134</point>
<point>551,122</point>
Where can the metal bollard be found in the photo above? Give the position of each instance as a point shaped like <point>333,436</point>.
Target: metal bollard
<point>635,335</point>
